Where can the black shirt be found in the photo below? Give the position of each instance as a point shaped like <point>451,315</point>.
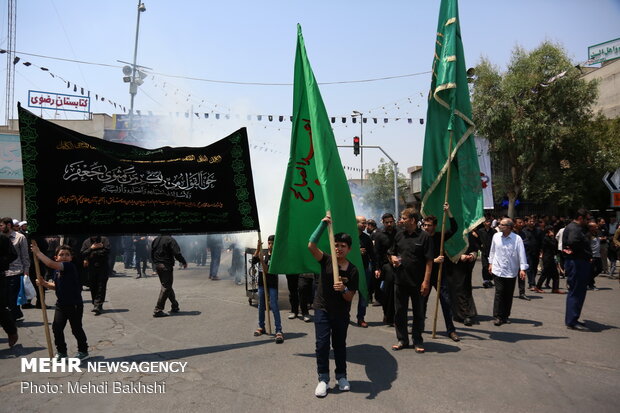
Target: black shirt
<point>486,237</point>
<point>366,242</point>
<point>164,250</point>
<point>549,249</point>
<point>414,249</point>
<point>68,287</point>
<point>325,297</point>
<point>97,257</point>
<point>383,242</point>
<point>532,240</point>
<point>574,239</point>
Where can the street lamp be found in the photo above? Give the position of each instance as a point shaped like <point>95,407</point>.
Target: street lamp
<point>361,116</point>
<point>134,83</point>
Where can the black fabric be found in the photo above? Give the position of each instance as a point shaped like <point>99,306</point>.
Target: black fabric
<point>574,240</point>
<point>68,287</point>
<point>415,249</point>
<point>326,298</point>
<point>76,184</point>
<point>502,303</point>
<point>73,314</point>
<point>164,250</point>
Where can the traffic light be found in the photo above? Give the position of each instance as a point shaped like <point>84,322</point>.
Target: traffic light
<point>356,145</point>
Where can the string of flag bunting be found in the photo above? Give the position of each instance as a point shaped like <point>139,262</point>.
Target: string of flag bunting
<point>218,112</point>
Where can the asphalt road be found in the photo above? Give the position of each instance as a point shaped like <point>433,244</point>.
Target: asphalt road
<point>533,364</point>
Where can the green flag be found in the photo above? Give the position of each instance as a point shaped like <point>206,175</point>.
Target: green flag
<point>449,141</point>
<point>315,182</point>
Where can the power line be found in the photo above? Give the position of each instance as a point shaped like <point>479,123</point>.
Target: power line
<point>232,82</point>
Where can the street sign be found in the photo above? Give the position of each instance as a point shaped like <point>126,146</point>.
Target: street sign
<point>612,181</point>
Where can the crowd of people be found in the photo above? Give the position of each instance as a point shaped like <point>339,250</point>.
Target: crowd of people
<point>73,264</point>
<point>402,262</point>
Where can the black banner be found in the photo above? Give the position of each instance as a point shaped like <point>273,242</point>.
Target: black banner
<point>78,184</point>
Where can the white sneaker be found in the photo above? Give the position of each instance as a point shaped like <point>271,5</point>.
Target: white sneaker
<point>343,384</point>
<point>292,316</point>
<point>321,389</point>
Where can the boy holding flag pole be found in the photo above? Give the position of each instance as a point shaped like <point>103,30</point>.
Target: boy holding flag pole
<point>315,183</point>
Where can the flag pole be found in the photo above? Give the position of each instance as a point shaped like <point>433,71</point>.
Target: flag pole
<point>332,249</point>
<point>48,337</point>
<point>266,290</point>
<point>443,233</point>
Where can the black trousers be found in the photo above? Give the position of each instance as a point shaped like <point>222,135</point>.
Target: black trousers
<point>596,266</point>
<point>486,275</point>
<point>532,260</point>
<point>141,264</point>
<point>549,273</point>
<point>7,321</point>
<point>73,314</point>
<point>504,289</point>
<point>402,293</point>
<point>388,293</point>
<point>166,292</point>
<point>98,280</point>
<point>458,281</point>
<point>292,281</point>
<point>304,288</point>
<point>521,286</point>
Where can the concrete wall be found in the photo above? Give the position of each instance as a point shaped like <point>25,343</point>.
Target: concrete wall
<point>609,88</point>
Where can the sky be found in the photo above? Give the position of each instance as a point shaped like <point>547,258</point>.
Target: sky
<point>195,48</point>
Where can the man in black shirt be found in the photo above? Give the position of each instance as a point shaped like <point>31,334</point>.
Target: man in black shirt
<point>368,256</point>
<point>164,250</point>
<point>577,254</point>
<point>412,256</point>
<point>7,321</point>
<point>518,229</point>
<point>485,235</point>
<point>532,242</point>
<point>430,225</point>
<point>95,252</point>
<point>384,272</point>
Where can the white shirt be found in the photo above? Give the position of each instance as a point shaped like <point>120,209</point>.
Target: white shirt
<point>559,238</point>
<point>507,255</point>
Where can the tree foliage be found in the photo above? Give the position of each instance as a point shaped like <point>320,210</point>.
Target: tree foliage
<point>379,189</point>
<point>539,120</point>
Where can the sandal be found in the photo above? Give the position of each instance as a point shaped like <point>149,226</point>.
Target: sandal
<point>259,332</point>
<point>418,349</point>
<point>399,346</point>
<point>279,338</point>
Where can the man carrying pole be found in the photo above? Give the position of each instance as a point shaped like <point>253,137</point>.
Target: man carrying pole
<point>450,171</point>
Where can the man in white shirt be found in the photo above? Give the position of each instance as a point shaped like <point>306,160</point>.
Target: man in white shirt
<point>506,260</point>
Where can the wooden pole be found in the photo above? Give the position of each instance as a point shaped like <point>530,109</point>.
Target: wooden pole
<point>443,233</point>
<point>48,337</point>
<point>332,249</point>
<point>266,290</point>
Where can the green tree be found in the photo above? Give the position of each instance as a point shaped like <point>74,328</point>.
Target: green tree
<point>537,117</point>
<point>379,189</point>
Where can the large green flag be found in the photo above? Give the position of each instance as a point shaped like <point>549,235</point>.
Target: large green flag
<point>315,182</point>
<point>449,141</point>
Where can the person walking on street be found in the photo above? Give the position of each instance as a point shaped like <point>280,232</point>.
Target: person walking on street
<point>164,250</point>
<point>577,255</point>
<point>507,260</point>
